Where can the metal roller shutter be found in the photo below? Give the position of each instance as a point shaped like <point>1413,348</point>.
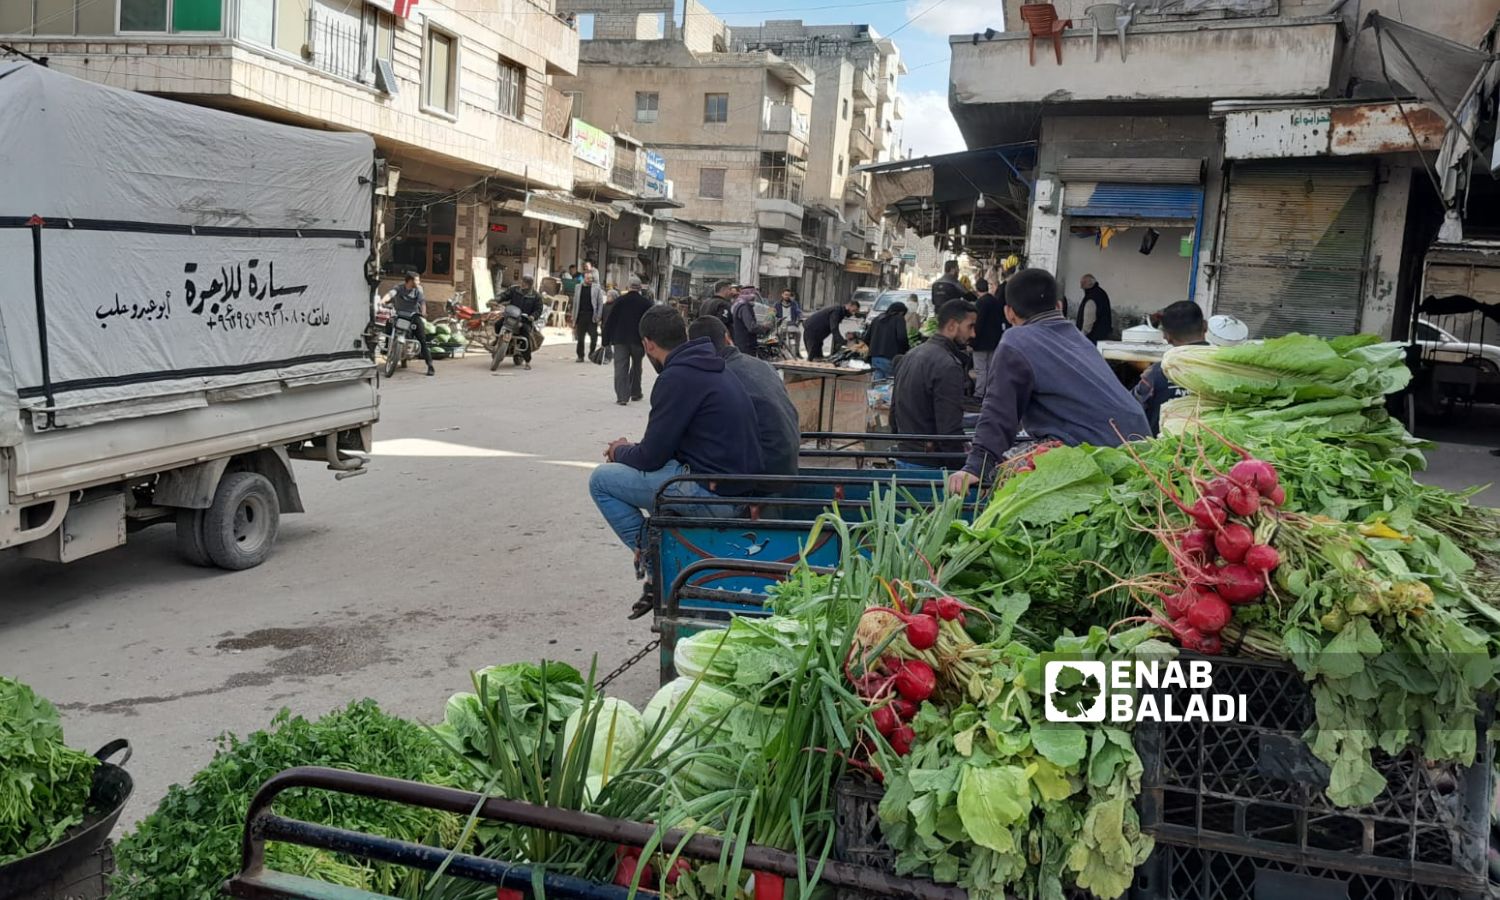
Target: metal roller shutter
<point>1295,241</point>
<point>1131,170</point>
<point>1124,202</point>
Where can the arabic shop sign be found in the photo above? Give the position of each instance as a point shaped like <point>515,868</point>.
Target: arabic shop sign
<point>656,175</point>
<point>593,145</point>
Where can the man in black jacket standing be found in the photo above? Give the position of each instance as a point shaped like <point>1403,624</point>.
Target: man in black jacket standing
<point>887,339</point>
<point>948,286</point>
<point>1094,317</point>
<point>717,304</point>
<point>988,329</point>
<point>588,305</point>
<point>928,397</point>
<point>817,327</point>
<point>622,332</point>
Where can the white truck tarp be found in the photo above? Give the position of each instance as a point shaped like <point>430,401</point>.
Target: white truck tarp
<point>151,248</point>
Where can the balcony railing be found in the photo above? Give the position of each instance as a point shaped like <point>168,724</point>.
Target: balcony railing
<point>337,46</point>
<point>776,185</point>
<point>781,118</point>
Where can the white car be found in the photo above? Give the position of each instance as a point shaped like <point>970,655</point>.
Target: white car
<point>1441,347</point>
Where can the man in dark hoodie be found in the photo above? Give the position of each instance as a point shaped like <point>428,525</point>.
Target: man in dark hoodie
<point>702,423</point>
<point>777,425</point>
<point>1047,378</point>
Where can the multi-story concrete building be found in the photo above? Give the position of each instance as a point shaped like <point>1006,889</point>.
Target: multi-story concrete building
<point>458,96</point>
<point>733,128</point>
<point>855,107</point>
<point>1245,154</point>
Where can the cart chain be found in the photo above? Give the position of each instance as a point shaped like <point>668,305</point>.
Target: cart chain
<point>628,663</point>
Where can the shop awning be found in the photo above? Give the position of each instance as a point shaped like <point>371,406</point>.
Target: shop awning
<point>568,213</point>
<point>979,198</point>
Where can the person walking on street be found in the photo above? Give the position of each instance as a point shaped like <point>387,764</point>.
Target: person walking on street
<point>622,333</point>
<point>948,286</point>
<point>1094,317</point>
<point>588,305</point>
<point>408,298</point>
<point>1046,378</point>
<point>818,326</point>
<point>887,339</point>
<point>744,324</point>
<point>928,396</point>
<point>718,303</point>
<point>988,328</point>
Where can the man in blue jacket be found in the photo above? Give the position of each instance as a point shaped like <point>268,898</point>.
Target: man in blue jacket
<point>702,423</point>
<point>1047,378</point>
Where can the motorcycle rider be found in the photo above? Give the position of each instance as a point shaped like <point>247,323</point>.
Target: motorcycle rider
<point>524,297</point>
<point>408,298</point>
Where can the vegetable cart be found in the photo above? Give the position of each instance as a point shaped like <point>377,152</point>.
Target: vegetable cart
<point>255,880</point>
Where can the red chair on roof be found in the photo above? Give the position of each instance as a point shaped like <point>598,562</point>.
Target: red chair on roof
<point>1042,20</point>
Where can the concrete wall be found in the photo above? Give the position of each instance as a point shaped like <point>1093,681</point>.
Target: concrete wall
<point>702,31</point>
<point>1387,244</point>
<point>828,142</point>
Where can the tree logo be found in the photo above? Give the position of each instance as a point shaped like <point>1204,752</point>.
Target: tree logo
<point>1075,690</point>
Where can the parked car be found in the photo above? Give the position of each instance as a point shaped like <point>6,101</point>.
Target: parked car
<point>923,306</point>
<point>1439,345</point>
<point>865,297</point>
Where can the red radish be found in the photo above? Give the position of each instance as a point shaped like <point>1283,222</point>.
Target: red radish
<point>680,867</point>
<point>905,709</point>
<point>1219,487</point>
<point>885,720</point>
<point>625,871</point>
<point>948,608</point>
<point>1277,496</point>
<point>1209,614</point>
<point>902,738</point>
<point>1198,544</point>
<point>1255,473</point>
<point>1242,501</point>
<point>1239,584</point>
<point>1233,540</point>
<point>1186,634</point>
<point>1176,605</point>
<point>769,887</point>
<point>1208,512</point>
<point>1204,578</point>
<point>1211,645</point>
<point>1262,558</point>
<point>921,631</point>
<point>915,680</point>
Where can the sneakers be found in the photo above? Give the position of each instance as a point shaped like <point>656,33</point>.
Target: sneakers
<point>527,367</point>
<point>622,402</point>
<point>637,397</point>
<point>431,371</point>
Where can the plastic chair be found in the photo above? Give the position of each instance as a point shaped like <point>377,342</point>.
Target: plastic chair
<point>1110,18</point>
<point>1042,20</point>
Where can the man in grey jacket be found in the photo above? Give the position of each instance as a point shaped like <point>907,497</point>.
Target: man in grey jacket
<point>776,425</point>
<point>1048,378</point>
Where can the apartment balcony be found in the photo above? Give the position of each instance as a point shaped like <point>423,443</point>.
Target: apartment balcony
<point>864,89</point>
<point>998,90</point>
<point>854,191</point>
<point>331,83</point>
<point>778,203</point>
<point>784,130</point>
<point>898,109</point>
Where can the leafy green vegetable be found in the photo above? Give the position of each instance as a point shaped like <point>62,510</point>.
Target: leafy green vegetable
<point>540,698</point>
<point>617,733</point>
<point>191,843</point>
<point>1290,369</point>
<point>44,783</point>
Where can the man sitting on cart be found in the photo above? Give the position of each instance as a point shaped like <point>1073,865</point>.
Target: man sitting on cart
<point>1047,378</point>
<point>701,423</point>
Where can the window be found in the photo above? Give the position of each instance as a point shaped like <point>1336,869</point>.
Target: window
<point>512,89</point>
<point>1426,332</point>
<point>575,100</point>
<point>650,26</point>
<point>585,25</point>
<point>716,107</point>
<point>711,183</point>
<point>841,165</point>
<point>171,15</point>
<point>440,73</point>
<point>646,104</point>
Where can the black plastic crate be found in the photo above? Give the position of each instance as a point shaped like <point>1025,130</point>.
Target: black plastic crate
<point>1188,873</point>
<point>1256,788</point>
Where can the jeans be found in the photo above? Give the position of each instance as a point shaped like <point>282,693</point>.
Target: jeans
<point>882,367</point>
<point>621,493</point>
<point>417,333</point>
<point>981,370</point>
<point>628,371</point>
<point>903,464</point>
<point>590,329</point>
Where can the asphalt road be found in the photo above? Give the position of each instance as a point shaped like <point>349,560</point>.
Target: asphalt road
<point>471,541</point>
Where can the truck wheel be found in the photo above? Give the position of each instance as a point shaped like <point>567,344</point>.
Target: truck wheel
<point>240,527</point>
<point>190,537</point>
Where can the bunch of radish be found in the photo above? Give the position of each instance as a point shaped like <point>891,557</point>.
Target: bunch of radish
<point>1224,558</point>
<point>896,656</point>
<point>628,865</point>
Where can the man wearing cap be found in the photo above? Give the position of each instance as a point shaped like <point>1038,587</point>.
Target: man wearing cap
<point>1047,378</point>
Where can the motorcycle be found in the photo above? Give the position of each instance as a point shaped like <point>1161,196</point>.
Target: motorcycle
<point>516,336</point>
<point>474,326</point>
<point>400,345</point>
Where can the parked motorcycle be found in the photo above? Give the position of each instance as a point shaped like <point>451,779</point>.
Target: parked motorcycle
<point>474,326</point>
<point>517,336</point>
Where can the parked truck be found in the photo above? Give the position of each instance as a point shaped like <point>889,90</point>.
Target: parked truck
<point>184,309</point>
